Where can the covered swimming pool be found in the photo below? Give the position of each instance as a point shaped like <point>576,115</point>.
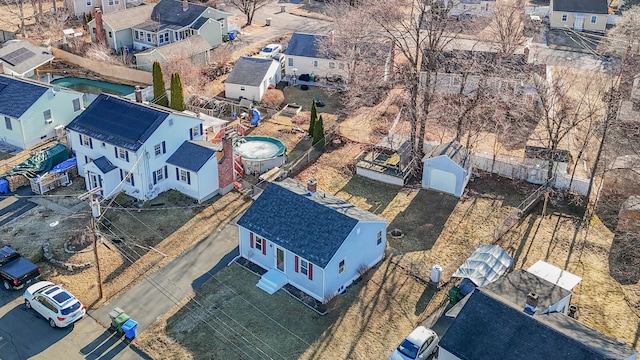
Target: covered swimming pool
<point>91,86</point>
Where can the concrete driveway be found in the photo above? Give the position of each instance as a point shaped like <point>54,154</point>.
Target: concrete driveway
<point>161,291</point>
<point>24,334</point>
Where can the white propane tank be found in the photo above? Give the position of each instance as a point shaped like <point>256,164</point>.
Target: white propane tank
<point>436,274</point>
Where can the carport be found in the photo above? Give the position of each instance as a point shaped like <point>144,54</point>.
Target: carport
<point>447,168</point>
<point>483,267</point>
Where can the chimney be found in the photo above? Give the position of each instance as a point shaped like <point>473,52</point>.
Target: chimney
<point>185,5</point>
<point>138,93</point>
<point>312,186</point>
<point>1,68</point>
<point>100,33</point>
<point>531,305</point>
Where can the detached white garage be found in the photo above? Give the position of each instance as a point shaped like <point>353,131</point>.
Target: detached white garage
<point>447,168</point>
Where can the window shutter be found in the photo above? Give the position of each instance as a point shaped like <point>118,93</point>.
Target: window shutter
<point>201,133</point>
<point>166,172</point>
<point>80,135</point>
<point>264,246</point>
<point>133,183</point>
<point>296,263</point>
<point>121,176</point>
<point>189,177</point>
<point>90,143</point>
<point>251,240</point>
<point>99,180</point>
<point>190,134</point>
<point>164,147</point>
<point>310,271</point>
<point>177,174</point>
<point>155,179</point>
<point>86,159</point>
<point>115,149</point>
<point>126,156</point>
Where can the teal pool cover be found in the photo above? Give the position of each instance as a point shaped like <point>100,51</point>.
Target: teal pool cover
<point>41,162</point>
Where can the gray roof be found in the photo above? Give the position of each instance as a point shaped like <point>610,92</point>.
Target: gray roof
<point>127,18</point>
<point>171,12</point>
<point>17,95</point>
<point>119,122</point>
<point>509,333</point>
<point>198,24</point>
<point>249,71</point>
<point>286,214</point>
<point>20,56</point>
<point>542,153</point>
<point>582,6</point>
<point>307,45</point>
<point>192,155</point>
<point>514,287</point>
<point>155,26</point>
<point>454,150</point>
<point>104,165</point>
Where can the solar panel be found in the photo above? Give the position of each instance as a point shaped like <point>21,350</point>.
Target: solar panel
<point>17,56</point>
<point>2,85</point>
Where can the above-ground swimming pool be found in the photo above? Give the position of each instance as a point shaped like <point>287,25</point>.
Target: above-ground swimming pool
<point>260,153</point>
<point>95,87</point>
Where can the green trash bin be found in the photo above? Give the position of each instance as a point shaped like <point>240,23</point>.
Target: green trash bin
<point>120,320</point>
<point>454,295</point>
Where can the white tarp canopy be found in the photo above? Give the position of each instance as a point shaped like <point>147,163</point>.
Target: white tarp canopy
<point>485,265</point>
<point>555,275</point>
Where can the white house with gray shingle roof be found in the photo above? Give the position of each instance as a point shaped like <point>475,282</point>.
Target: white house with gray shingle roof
<point>142,150</point>
<point>251,77</point>
<point>311,240</point>
<point>447,168</point>
<point>579,15</point>
<point>31,111</point>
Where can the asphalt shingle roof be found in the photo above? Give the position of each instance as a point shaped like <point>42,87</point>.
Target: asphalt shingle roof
<point>454,150</point>
<point>17,96</point>
<point>249,71</point>
<point>119,122</point>
<point>170,12</point>
<point>582,6</point>
<point>25,64</point>
<point>311,227</point>
<point>509,333</point>
<point>307,45</point>
<point>127,18</point>
<point>191,155</point>
<point>104,165</point>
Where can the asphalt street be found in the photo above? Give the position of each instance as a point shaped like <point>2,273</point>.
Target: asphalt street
<point>13,205</point>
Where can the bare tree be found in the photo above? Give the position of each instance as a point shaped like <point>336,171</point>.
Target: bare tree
<point>16,8</point>
<point>248,7</point>
<point>507,26</point>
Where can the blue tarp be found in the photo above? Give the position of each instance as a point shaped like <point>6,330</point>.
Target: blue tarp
<point>485,265</point>
<point>4,186</point>
<point>63,166</point>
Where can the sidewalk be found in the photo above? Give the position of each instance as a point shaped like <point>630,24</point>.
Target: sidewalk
<point>161,291</point>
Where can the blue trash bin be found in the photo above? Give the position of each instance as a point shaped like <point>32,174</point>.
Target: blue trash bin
<point>130,329</point>
<point>232,35</point>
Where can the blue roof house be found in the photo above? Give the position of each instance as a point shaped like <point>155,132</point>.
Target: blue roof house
<point>311,240</point>
<point>143,150</point>
<point>32,112</point>
<point>447,168</point>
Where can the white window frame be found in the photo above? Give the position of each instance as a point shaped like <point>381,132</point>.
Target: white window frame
<point>47,116</point>
<point>196,131</point>
<point>86,141</point>
<point>258,243</point>
<point>159,174</point>
<point>122,154</point>
<point>594,19</point>
<point>242,88</point>
<point>379,238</point>
<point>315,63</point>
<point>127,177</point>
<point>564,17</point>
<point>7,123</point>
<point>290,61</point>
<point>76,105</point>
<point>304,267</point>
<point>184,177</point>
<point>342,265</point>
<point>157,149</point>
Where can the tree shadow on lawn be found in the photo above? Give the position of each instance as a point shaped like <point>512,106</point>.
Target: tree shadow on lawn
<point>422,221</point>
<point>376,195</point>
<point>624,258</point>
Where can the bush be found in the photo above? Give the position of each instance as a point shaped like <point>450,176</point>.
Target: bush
<point>273,98</point>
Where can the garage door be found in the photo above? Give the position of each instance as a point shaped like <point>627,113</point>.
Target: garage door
<point>443,181</point>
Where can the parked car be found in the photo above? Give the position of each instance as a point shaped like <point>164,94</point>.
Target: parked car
<point>54,303</point>
<point>16,271</point>
<point>421,343</point>
<point>271,50</point>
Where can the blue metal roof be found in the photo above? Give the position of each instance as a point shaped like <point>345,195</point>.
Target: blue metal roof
<point>17,96</point>
<point>119,122</point>
<point>191,155</point>
<point>312,227</point>
<point>307,45</point>
<point>509,333</point>
<point>104,165</point>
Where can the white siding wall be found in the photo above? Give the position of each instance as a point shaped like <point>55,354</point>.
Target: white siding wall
<point>208,182</point>
<point>360,249</point>
<point>306,65</point>
<point>444,163</point>
<point>31,128</point>
<point>445,355</point>
<point>234,91</point>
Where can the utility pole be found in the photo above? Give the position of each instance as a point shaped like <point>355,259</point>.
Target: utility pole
<point>95,211</point>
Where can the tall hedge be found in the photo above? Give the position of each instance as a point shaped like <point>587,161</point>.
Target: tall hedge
<point>318,131</point>
<point>314,117</point>
<point>159,91</point>
<point>177,94</point>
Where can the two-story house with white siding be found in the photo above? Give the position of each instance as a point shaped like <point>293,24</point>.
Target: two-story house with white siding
<point>143,150</point>
<point>32,112</point>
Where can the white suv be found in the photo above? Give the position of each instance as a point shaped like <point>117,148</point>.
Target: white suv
<point>420,344</point>
<point>54,303</point>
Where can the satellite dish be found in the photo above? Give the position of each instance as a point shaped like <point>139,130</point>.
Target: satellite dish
<point>55,89</point>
